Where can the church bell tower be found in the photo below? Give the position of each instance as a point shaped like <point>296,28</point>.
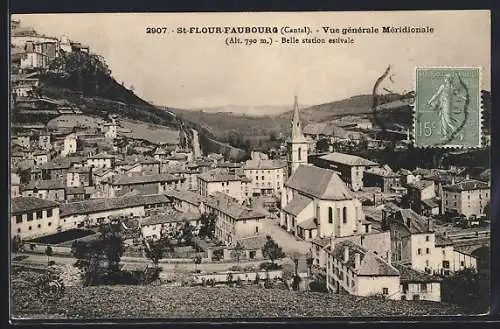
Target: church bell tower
<point>297,143</point>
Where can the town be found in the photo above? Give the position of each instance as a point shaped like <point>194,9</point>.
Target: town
<point>345,222</point>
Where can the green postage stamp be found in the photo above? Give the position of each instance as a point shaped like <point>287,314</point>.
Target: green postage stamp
<point>448,107</point>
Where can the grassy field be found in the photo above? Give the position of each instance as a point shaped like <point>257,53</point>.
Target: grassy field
<point>153,133</point>
<point>115,302</point>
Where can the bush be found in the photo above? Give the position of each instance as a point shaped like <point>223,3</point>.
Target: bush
<point>296,282</point>
<point>318,286</point>
<point>268,266</point>
<point>235,268</point>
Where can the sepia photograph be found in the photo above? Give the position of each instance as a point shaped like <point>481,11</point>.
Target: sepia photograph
<point>249,165</point>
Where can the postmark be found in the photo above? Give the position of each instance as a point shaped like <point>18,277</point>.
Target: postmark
<point>447,107</point>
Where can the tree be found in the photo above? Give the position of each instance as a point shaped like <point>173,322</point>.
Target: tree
<point>309,261</point>
<point>100,257</point>
<point>468,289</point>
<point>186,234</point>
<point>48,252</point>
<point>207,225</point>
<point>237,252</point>
<point>17,244</point>
<point>196,261</point>
<point>271,250</point>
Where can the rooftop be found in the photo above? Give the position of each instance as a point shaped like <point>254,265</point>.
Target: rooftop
<point>412,221</point>
<point>370,264</point>
<point>143,179</point>
<point>22,204</point>
<point>52,184</point>
<point>233,209</point>
<point>298,203</point>
<point>320,183</point>
<point>264,164</point>
<point>384,171</point>
<point>309,224</point>
<point>253,242</point>
<point>347,159</point>
<point>97,205</point>
<point>467,185</point>
<point>188,196</point>
<point>420,185</point>
<point>169,216</point>
<point>222,175</point>
<point>408,274</point>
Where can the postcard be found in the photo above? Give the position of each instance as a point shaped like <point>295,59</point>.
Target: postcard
<point>249,165</point>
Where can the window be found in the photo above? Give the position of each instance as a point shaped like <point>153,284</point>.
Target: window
<point>39,225</point>
<point>330,215</point>
<point>423,287</point>
<point>462,263</point>
<point>262,177</point>
<point>256,177</point>
<point>446,264</point>
<point>19,219</point>
<point>30,217</point>
<point>256,229</point>
<point>39,214</point>
<point>300,154</point>
<point>49,212</point>
<point>405,287</point>
<point>419,251</point>
<point>310,234</point>
<point>19,230</point>
<point>50,224</point>
<point>385,291</point>
<point>427,238</point>
<point>344,215</point>
<point>427,251</point>
<point>29,228</point>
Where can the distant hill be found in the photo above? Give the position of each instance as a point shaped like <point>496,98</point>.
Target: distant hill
<point>265,110</point>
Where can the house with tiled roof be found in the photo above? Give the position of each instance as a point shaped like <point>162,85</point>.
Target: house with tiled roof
<point>354,270</point>
<point>350,167</point>
<point>224,180</point>
<point>417,285</point>
<point>415,244</point>
<point>53,189</point>
<point>167,222</point>
<point>315,202</point>
<point>101,160</point>
<point>95,211</point>
<point>32,217</point>
<point>383,177</point>
<point>234,220</point>
<point>418,192</point>
<point>187,201</point>
<point>145,183</point>
<point>469,198</point>
<point>267,176</point>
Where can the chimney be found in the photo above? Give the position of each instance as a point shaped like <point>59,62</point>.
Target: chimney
<point>357,260</point>
<point>346,254</point>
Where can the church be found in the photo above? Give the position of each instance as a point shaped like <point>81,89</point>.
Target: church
<point>315,202</point>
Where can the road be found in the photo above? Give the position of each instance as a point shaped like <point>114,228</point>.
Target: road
<point>38,259</point>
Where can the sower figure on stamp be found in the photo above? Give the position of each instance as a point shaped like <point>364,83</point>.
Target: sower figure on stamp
<point>444,101</point>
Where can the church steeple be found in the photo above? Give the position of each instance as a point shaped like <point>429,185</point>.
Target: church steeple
<point>297,144</point>
<point>297,135</point>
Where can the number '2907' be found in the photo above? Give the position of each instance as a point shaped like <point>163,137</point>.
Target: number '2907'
<point>157,30</point>
<point>426,128</point>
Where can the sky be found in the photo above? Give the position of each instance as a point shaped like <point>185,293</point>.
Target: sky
<point>199,70</point>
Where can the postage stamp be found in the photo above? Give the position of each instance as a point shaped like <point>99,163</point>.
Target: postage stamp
<point>447,107</point>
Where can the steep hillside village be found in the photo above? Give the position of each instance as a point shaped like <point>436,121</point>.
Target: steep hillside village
<point>315,209</point>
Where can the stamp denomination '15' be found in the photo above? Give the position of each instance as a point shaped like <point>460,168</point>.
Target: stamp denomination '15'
<point>448,107</point>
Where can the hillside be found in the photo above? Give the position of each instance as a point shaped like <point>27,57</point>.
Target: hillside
<point>269,110</point>
<point>114,302</point>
